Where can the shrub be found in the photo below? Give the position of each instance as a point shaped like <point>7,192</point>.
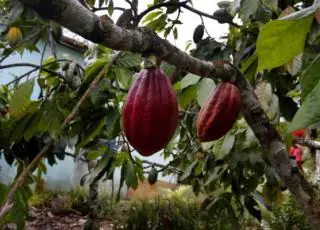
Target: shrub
<point>288,216</point>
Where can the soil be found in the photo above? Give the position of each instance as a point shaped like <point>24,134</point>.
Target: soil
<point>45,219</point>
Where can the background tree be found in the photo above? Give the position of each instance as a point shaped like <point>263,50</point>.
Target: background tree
<point>271,56</point>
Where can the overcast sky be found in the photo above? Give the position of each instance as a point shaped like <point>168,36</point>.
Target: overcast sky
<point>190,20</point>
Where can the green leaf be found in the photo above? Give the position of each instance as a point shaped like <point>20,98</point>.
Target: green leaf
<point>131,176</point>
<point>187,96</point>
<point>113,123</point>
<point>228,143</point>
<point>309,112</point>
<point>94,69</point>
<point>175,33</point>
<point>167,68</point>
<point>94,154</point>
<point>217,172</point>
<point>158,24</point>
<point>204,89</point>
<point>207,145</point>
<point>93,130</point>
<point>123,173</point>
<point>247,9</point>
<point>50,63</point>
<point>310,77</point>
<point>21,99</point>
<point>110,8</point>
<point>280,41</point>
<point>124,76</point>
<point>104,163</point>
<point>50,119</point>
<point>151,16</point>
<point>189,79</point>
<point>248,62</point>
<point>188,170</point>
<point>18,132</point>
<point>129,60</point>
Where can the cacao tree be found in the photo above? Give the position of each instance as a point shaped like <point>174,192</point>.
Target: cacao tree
<point>229,142</point>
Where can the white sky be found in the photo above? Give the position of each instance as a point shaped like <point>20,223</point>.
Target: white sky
<point>190,20</point>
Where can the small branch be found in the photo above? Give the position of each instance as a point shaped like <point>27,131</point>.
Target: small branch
<point>183,5</point>
<point>35,68</point>
<point>73,156</point>
<point>157,6</point>
<point>205,29</point>
<point>309,143</point>
<point>23,176</point>
<point>7,204</point>
<point>94,9</point>
<point>207,15</point>
<point>163,167</point>
<point>42,56</point>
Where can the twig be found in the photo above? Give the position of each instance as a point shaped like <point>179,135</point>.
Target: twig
<point>35,68</point>
<point>183,5</point>
<point>156,6</point>
<point>42,56</point>
<point>163,167</point>
<point>205,29</point>
<point>94,9</point>
<point>6,206</point>
<point>130,151</point>
<point>207,15</point>
<point>309,143</point>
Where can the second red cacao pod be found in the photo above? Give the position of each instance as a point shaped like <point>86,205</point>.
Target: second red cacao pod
<point>150,114</point>
<point>219,112</point>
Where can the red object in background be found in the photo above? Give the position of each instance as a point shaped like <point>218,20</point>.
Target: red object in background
<point>299,133</point>
<point>296,152</point>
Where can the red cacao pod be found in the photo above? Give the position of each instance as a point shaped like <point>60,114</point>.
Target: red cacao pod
<point>219,112</point>
<point>150,114</point>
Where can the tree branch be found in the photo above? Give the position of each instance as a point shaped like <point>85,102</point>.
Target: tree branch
<point>78,19</point>
<point>35,68</point>
<point>207,15</point>
<point>94,9</point>
<point>309,143</point>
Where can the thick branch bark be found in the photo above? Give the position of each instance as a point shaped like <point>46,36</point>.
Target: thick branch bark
<point>78,19</point>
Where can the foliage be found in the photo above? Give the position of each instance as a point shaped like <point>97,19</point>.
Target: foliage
<point>288,216</point>
<point>167,213</point>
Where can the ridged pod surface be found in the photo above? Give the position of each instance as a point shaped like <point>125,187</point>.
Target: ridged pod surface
<point>150,114</point>
<point>219,112</point>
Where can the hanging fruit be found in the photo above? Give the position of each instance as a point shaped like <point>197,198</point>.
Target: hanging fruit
<point>14,36</point>
<point>153,176</point>
<point>198,33</point>
<point>219,112</point>
<point>150,114</point>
